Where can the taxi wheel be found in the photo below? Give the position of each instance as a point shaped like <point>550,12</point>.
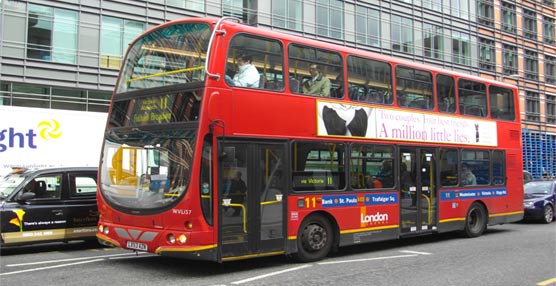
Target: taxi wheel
<point>314,239</point>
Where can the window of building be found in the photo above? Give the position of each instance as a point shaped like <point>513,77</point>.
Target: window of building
<point>195,5</point>
<point>5,98</point>
<point>115,35</point>
<point>486,12</point>
<point>304,59</point>
<point>549,69</point>
<point>531,65</point>
<point>287,14</point>
<point>472,98</point>
<point>367,26</point>
<point>446,91</point>
<point>529,24</point>
<point>371,166</point>
<point>509,60</point>
<point>369,80</point>
<point>532,106</point>
<point>548,30</point>
<point>549,3</point>
<point>459,8</point>
<point>30,96</point>
<point>509,18</point>
<point>432,37</point>
<point>98,101</point>
<point>435,5</point>
<point>52,34</point>
<point>70,99</point>
<point>319,166</point>
<point>501,103</point>
<point>461,48</point>
<point>414,88</point>
<point>330,18</point>
<point>243,10</point>
<point>233,8</point>
<point>550,109</point>
<point>401,34</point>
<point>487,54</point>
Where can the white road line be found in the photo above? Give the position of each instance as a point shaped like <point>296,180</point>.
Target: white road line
<point>66,260</point>
<point>271,274</point>
<point>366,259</point>
<point>416,252</point>
<point>49,267</point>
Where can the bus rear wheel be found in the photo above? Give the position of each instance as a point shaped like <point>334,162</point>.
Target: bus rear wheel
<point>314,240</point>
<point>475,221</point>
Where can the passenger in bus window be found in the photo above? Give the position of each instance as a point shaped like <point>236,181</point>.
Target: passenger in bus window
<point>386,175</point>
<point>467,177</point>
<point>236,189</point>
<point>247,74</point>
<point>318,84</point>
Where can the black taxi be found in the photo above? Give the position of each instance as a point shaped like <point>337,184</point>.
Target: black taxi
<point>46,205</point>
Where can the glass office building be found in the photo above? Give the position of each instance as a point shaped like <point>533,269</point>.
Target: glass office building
<point>65,54</point>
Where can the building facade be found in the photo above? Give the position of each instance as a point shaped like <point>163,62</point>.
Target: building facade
<point>65,54</point>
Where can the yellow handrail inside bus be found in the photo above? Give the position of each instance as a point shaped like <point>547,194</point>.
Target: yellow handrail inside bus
<point>165,73</point>
<point>244,214</point>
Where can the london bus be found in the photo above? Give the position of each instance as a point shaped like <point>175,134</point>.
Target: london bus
<point>197,168</point>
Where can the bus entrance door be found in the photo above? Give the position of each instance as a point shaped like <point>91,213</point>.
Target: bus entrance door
<point>418,190</point>
<point>252,192</point>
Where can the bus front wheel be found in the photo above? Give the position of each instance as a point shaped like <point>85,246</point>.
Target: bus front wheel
<point>314,239</point>
<point>475,221</point>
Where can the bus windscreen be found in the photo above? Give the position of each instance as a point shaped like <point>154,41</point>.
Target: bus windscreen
<point>170,55</point>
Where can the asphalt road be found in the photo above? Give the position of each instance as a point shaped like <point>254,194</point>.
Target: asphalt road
<point>515,254</point>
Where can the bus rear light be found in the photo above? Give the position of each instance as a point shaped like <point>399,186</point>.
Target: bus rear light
<point>182,239</point>
<point>188,225</point>
<point>171,238</point>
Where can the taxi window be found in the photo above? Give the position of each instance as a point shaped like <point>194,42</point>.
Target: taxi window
<point>47,186</point>
<point>85,186</point>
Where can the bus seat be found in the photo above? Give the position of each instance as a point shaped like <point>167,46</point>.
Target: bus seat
<point>294,85</point>
<point>474,110</point>
<point>419,103</point>
<point>262,80</point>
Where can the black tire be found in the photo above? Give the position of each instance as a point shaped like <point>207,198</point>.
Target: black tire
<point>314,239</point>
<point>548,214</point>
<point>475,221</point>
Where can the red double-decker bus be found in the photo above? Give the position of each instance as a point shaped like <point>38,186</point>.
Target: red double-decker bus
<point>226,141</point>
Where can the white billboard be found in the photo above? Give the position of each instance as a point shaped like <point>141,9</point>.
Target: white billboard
<point>36,137</point>
<point>335,119</point>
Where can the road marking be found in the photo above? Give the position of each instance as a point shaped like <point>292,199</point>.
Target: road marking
<point>367,259</point>
<point>271,274</point>
<point>551,281</point>
<point>50,267</point>
<point>66,260</point>
<point>416,252</point>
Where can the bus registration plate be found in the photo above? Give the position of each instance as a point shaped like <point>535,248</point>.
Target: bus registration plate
<point>136,245</point>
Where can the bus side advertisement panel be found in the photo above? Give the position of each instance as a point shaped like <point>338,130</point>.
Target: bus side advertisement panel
<point>360,217</point>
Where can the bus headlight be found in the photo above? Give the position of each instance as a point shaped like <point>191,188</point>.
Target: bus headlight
<point>182,239</point>
<point>171,238</point>
<point>103,229</point>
